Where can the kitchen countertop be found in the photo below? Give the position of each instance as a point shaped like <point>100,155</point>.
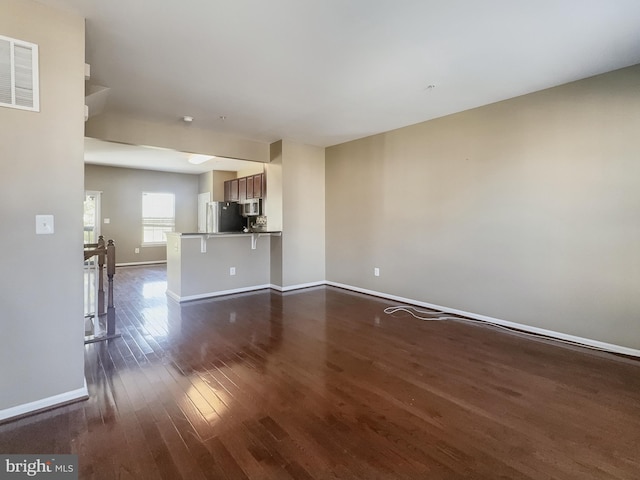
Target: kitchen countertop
<point>204,237</point>
<point>204,234</point>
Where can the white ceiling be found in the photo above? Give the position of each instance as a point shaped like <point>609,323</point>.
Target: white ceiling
<point>323,72</point>
<point>112,154</point>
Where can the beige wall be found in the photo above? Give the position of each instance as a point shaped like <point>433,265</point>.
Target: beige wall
<point>217,184</point>
<point>525,210</point>
<point>122,204</point>
<point>295,205</point>
<point>205,182</point>
<point>272,207</point>
<point>176,135</point>
<point>251,169</point>
<point>303,218</point>
<point>41,161</point>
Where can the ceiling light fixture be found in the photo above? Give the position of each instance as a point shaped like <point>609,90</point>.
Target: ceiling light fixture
<point>198,158</point>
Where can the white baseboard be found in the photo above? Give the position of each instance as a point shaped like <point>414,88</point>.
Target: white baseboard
<point>527,328</point>
<point>519,326</point>
<point>45,403</point>
<point>187,298</point>
<point>218,293</point>
<point>173,296</point>
<point>134,264</point>
<point>299,286</point>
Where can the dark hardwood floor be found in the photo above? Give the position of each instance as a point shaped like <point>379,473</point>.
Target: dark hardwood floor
<point>320,383</point>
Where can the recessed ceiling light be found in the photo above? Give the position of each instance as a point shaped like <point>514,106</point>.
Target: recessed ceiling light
<point>198,158</point>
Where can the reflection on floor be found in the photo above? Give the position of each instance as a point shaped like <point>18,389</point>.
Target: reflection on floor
<point>320,383</point>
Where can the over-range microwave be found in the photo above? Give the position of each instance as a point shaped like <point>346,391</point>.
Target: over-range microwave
<point>251,207</point>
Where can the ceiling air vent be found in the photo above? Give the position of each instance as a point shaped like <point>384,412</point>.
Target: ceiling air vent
<point>19,74</point>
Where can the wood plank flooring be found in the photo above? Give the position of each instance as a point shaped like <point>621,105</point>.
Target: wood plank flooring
<point>321,384</point>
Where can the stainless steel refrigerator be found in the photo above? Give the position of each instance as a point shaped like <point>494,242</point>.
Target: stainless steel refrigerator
<point>224,217</point>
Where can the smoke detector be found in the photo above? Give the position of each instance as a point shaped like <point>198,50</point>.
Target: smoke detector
<point>187,119</point>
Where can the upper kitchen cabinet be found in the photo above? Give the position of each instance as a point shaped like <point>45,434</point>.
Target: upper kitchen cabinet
<point>257,185</point>
<point>244,188</point>
<point>249,188</point>
<point>233,191</point>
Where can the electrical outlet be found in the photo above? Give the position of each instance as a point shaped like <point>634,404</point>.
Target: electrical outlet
<point>376,272</point>
<point>232,271</point>
<point>136,250</point>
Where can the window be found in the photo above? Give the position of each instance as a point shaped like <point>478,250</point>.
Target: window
<point>19,74</point>
<point>158,217</point>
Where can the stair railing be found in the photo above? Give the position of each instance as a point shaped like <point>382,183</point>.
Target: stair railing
<point>106,253</point>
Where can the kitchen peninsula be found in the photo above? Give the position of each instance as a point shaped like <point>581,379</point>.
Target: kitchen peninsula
<point>202,265</point>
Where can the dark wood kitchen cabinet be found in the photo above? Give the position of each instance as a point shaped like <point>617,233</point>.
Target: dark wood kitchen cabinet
<point>233,190</point>
<point>250,189</point>
<point>257,185</point>
<point>244,188</point>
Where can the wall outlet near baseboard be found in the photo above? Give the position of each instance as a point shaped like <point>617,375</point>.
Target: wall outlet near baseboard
<point>376,272</point>
<point>136,250</point>
<point>232,270</point>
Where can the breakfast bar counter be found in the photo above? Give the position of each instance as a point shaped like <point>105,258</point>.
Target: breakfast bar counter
<point>201,265</point>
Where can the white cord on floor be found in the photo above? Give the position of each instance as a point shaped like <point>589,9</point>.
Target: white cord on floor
<point>438,316</point>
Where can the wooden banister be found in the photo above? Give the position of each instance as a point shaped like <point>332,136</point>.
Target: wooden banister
<point>106,254</point>
<point>111,271</point>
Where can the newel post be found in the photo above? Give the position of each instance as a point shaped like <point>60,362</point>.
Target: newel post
<point>111,271</point>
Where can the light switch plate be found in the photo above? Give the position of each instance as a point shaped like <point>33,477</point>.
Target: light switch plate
<point>44,224</point>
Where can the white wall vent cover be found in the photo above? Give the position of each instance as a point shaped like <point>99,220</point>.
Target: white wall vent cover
<point>19,74</point>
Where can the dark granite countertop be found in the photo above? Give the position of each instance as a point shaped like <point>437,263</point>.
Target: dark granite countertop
<point>202,234</point>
